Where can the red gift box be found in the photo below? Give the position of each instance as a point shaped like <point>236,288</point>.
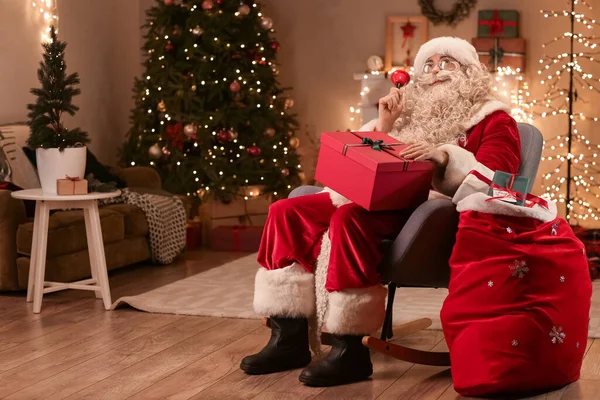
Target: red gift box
<point>236,238</point>
<point>194,235</point>
<point>366,168</point>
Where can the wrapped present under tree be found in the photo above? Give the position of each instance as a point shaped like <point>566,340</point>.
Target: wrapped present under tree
<point>498,24</point>
<point>501,52</point>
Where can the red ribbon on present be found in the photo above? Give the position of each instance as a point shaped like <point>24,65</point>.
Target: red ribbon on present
<point>73,179</point>
<point>530,199</point>
<point>382,146</point>
<point>497,25</point>
<point>174,135</point>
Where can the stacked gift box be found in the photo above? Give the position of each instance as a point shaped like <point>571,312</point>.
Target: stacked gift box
<point>235,226</point>
<point>498,43</point>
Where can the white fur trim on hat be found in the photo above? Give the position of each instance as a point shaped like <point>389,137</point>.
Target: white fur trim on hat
<point>286,292</point>
<point>457,48</point>
<point>356,311</point>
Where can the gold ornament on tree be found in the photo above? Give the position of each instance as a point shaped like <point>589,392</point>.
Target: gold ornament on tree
<point>244,10</point>
<point>294,142</point>
<point>289,103</point>
<point>270,132</point>
<point>162,107</point>
<point>266,23</point>
<point>194,87</point>
<point>155,152</point>
<point>233,134</point>
<point>190,130</point>
<point>197,31</point>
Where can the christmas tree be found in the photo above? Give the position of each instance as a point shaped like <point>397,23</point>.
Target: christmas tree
<point>210,115</point>
<point>571,155</point>
<point>54,99</point>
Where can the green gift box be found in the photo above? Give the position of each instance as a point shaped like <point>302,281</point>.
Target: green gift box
<point>498,24</point>
<point>509,188</point>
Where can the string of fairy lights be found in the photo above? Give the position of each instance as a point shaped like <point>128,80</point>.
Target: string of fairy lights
<point>48,12</point>
<point>555,74</point>
<point>237,80</point>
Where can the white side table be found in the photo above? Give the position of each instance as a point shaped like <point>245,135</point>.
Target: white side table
<point>45,202</point>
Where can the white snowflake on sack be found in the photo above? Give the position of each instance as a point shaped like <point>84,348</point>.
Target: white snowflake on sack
<point>557,335</point>
<point>554,230</point>
<point>519,269</point>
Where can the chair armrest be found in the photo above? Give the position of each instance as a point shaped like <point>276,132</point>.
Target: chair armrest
<point>140,177</point>
<point>305,191</point>
<point>12,214</point>
<point>419,255</point>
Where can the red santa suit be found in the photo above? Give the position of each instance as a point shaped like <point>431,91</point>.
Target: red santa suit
<point>516,317</point>
<point>325,234</point>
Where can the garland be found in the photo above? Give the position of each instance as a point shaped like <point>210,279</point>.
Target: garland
<point>460,11</point>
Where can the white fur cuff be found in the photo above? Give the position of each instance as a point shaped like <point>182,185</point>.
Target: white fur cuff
<point>479,202</point>
<point>460,163</point>
<point>356,311</point>
<point>286,292</point>
<point>471,184</point>
<point>337,199</point>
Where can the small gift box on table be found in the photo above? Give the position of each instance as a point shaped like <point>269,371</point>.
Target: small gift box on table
<point>366,167</point>
<point>71,186</point>
<point>497,52</point>
<point>498,23</point>
<point>236,238</point>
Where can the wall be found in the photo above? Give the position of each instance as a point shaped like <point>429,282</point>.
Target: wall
<point>103,47</point>
<point>325,42</point>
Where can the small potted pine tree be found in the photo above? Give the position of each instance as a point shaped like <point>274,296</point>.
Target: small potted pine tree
<point>60,152</point>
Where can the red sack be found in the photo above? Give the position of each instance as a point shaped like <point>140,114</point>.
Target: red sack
<point>516,317</point>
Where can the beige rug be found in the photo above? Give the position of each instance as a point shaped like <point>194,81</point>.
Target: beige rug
<point>227,291</point>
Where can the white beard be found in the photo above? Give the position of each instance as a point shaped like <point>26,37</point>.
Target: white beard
<point>439,114</point>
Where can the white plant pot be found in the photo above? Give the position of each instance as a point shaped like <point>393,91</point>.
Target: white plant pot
<point>53,164</point>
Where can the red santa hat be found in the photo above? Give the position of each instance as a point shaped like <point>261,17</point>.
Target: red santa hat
<point>457,48</point>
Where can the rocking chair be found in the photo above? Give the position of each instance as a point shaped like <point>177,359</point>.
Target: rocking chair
<point>410,262</point>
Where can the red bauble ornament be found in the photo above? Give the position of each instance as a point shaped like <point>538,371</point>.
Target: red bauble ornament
<point>168,2</point>
<point>219,2</point>
<point>169,47</point>
<point>236,56</point>
<point>262,61</point>
<point>400,78</point>
<point>285,172</point>
<point>235,86</point>
<point>224,136</point>
<point>207,5</point>
<point>275,45</point>
<point>254,151</point>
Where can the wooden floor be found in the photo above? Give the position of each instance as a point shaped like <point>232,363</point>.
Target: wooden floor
<point>74,349</point>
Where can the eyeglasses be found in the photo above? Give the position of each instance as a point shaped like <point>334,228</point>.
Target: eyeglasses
<point>445,64</point>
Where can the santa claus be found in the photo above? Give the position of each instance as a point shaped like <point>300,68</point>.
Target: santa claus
<point>450,117</point>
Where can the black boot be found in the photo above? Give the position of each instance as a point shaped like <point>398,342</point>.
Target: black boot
<point>287,349</point>
<point>348,361</point>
